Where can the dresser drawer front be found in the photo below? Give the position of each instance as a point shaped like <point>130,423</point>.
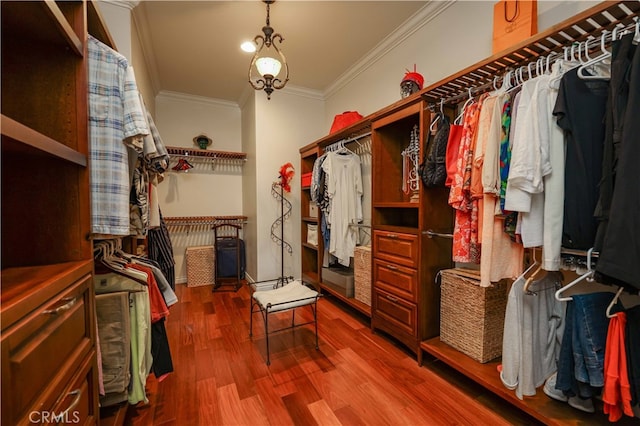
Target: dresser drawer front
<point>396,247</point>
<point>396,279</point>
<point>76,404</point>
<point>36,349</point>
<point>399,313</point>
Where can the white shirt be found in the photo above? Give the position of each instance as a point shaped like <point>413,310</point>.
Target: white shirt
<point>344,188</point>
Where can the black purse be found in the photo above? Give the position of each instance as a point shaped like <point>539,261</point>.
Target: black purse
<point>433,170</point>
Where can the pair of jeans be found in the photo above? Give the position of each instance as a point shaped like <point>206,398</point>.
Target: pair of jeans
<point>581,360</point>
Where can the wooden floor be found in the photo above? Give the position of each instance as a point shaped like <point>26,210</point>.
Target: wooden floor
<point>356,378</point>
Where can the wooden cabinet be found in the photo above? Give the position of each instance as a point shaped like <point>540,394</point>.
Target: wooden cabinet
<point>312,254</point>
<point>47,300</point>
<point>405,298</point>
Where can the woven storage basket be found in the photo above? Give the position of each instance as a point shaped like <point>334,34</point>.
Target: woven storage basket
<point>472,317</point>
<point>362,272</point>
<point>200,263</point>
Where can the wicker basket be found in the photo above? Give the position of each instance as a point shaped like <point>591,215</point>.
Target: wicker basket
<point>362,272</point>
<point>200,263</point>
<point>472,317</point>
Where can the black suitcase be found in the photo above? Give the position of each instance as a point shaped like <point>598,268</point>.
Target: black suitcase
<point>227,257</point>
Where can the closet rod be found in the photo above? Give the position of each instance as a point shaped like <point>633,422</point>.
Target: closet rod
<point>561,50</point>
<point>346,141</point>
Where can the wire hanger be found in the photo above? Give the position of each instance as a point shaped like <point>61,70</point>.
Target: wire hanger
<point>586,276</point>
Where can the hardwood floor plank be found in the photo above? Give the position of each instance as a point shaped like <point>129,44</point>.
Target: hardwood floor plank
<point>297,408</point>
<point>323,414</point>
<point>272,402</point>
<point>208,411</point>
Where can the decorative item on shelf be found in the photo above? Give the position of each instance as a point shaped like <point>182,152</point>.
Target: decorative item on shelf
<point>202,141</point>
<point>265,61</point>
<point>410,166</point>
<point>411,83</point>
<point>347,118</point>
<point>513,21</point>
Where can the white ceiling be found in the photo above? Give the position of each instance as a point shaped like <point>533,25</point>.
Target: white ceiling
<point>193,47</point>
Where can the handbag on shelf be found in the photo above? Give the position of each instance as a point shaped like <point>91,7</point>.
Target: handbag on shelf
<point>513,21</point>
<point>433,170</point>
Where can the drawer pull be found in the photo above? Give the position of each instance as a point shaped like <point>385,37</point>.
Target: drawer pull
<point>74,403</point>
<point>393,299</point>
<point>393,268</point>
<point>430,233</point>
<point>392,236</point>
<point>62,308</point>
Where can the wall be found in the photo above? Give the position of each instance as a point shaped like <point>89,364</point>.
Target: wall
<point>282,125</point>
<point>211,188</point>
<point>449,36</point>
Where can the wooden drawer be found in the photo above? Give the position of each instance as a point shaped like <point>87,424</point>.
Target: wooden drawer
<point>399,313</point>
<point>76,403</point>
<point>396,279</point>
<point>396,247</point>
<point>44,349</point>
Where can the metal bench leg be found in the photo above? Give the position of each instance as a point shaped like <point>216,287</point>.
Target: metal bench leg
<point>315,320</point>
<point>266,329</point>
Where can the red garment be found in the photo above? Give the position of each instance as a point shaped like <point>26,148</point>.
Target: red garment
<point>466,247</point>
<point>616,393</point>
<point>453,145</point>
<point>158,306</point>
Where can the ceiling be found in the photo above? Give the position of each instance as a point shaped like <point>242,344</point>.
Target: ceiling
<point>193,47</point>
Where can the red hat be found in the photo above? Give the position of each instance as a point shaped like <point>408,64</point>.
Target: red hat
<point>414,76</point>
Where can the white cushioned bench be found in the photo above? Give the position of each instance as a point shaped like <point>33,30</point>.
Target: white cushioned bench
<point>288,297</point>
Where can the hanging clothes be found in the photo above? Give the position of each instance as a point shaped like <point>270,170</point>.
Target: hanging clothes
<point>622,52</point>
<point>621,248</point>
<point>553,212</point>
<point>501,257</point>
<point>533,328</point>
<point>161,251</point>
<point>616,394</point>
<point>466,247</point>
<point>580,109</point>
<point>116,120</point>
<point>344,187</point>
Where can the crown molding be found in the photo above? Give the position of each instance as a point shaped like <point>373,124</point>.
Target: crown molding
<point>183,97</point>
<point>127,4</point>
<point>410,26</point>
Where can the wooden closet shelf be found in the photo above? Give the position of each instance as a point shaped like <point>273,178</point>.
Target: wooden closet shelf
<point>24,137</point>
<point>604,16</point>
<point>204,220</point>
<point>204,153</point>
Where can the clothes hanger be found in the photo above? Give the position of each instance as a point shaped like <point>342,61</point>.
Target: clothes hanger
<point>438,115</point>
<point>586,276</point>
<point>590,62</point>
<point>532,277</point>
<point>468,102</point>
<point>613,303</point>
<point>535,263</point>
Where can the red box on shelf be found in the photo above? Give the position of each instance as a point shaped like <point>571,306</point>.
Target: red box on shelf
<point>306,179</point>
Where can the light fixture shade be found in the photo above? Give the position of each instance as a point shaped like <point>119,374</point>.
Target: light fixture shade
<point>268,66</point>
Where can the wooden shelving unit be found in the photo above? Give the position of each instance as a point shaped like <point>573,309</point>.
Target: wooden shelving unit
<point>540,406</point>
<point>47,300</point>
